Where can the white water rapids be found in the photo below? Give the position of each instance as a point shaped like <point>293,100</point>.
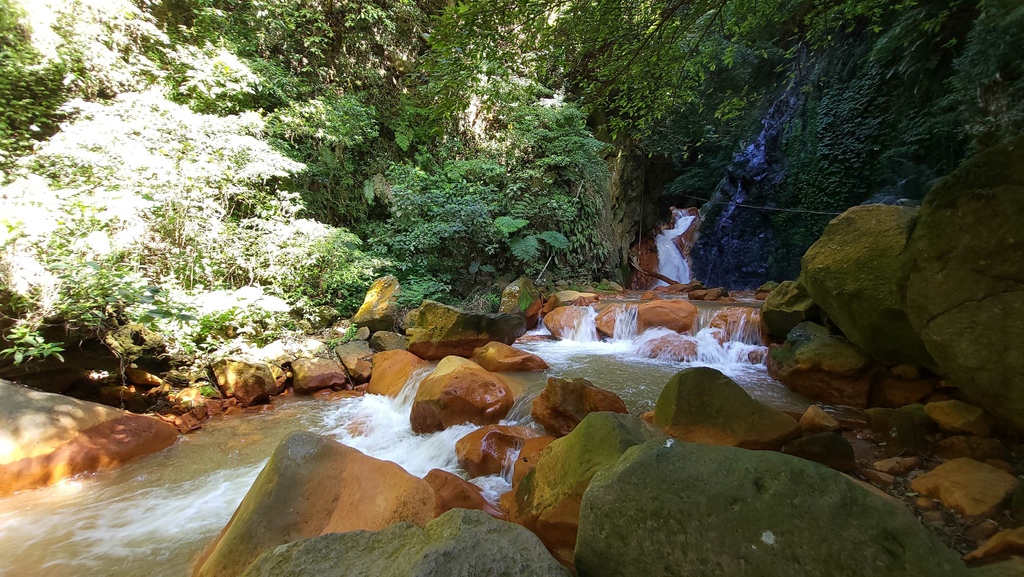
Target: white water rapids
<point>154,516</point>
<point>671,260</point>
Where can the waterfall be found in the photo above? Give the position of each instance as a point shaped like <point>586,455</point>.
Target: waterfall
<point>672,262</point>
<point>625,323</point>
<point>584,328</point>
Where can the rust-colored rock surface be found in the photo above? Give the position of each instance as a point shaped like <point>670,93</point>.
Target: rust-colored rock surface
<point>391,370</point>
<point>488,450</point>
<point>565,402</point>
<point>499,357</point>
<point>453,492</point>
<point>671,314</point>
<point>459,391</point>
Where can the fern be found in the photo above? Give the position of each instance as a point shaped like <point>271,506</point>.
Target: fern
<point>555,239</point>
<point>525,248</point>
<point>507,225</point>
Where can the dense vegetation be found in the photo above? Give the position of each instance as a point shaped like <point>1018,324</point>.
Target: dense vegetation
<point>213,167</point>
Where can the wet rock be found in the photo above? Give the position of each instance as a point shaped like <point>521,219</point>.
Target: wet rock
<point>966,486</point>
<point>897,466</point>
<point>388,341</point>
<point>982,531</point>
<point>852,273</point>
<point>547,500</point>
<point>565,402</point>
<point>313,485</point>
<point>245,381</point>
<point>521,297</point>
<point>713,294</point>
<point>142,378</point>
<point>45,437</point>
<point>903,430</point>
<point>742,322</point>
<point>187,399</point>
<point>894,392</point>
<point>977,448</point>
<point>1000,547</point>
<point>453,492</point>
<point>1013,567</point>
<point>436,330</point>
<point>567,322</point>
<point>676,315</point>
<point>701,405</point>
<point>762,292</point>
<point>357,358</point>
<point>605,321</point>
<point>670,347</point>
<point>459,543</point>
<point>816,420</point>
<point>877,477</point>
<point>528,456</point>
<point>379,311</point>
<point>958,417</point>
<point>768,511</point>
<point>311,375</point>
<point>827,449</point>
<point>824,367</point>
<point>963,290</point>
<point>391,370</point>
<point>499,357</point>
<point>488,450</point>
<point>459,391</point>
<point>787,306</point>
<point>569,298</point>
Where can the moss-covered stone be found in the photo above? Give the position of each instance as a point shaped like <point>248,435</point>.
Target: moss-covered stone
<point>379,311</point>
<point>436,330</point>
<point>852,273</point>
<point>521,297</point>
<point>822,366</point>
<point>964,279</point>
<point>786,306</point>
<point>903,430</point>
<point>686,509</point>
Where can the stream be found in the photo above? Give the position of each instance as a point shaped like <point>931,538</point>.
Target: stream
<point>154,516</point>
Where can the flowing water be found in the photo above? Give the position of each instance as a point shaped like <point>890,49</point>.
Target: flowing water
<point>154,516</point>
<point>671,260</point>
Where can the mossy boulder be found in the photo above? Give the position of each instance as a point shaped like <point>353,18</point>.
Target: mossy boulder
<point>702,405</point>
<point>379,311</point>
<point>852,273</point>
<point>436,330</point>
<point>247,381</point>
<point>547,500</point>
<point>684,509</point>
<point>521,297</point>
<point>824,367</point>
<point>963,269</point>
<point>905,430</point>
<point>786,306</point>
<point>459,543</point>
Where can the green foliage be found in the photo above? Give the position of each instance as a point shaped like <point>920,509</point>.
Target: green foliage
<point>27,344</point>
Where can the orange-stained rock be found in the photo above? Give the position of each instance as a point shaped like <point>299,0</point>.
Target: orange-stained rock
<point>605,321</point>
<point>671,314</point>
<point>142,378</point>
<point>894,392</point>
<point>45,437</point>
<point>311,375</point>
<point>816,420</point>
<point>897,466</point>
<point>958,417</point>
<point>967,486</point>
<point>567,322</point>
<point>499,357</point>
<point>713,294</point>
<point>646,253</point>
<point>744,322</point>
<point>488,450</point>
<point>437,330</point>
<point>246,381</point>
<point>977,448</point>
<point>453,492</point>
<point>459,391</point>
<point>649,296</point>
<point>1001,546</point>
<point>391,370</point>
<point>357,358</point>
<point>565,402</point>
<point>528,456</point>
<point>313,485</point>
<point>569,298</point>
<point>670,347</point>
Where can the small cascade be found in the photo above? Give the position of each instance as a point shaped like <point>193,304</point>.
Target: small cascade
<point>584,329</point>
<point>673,245</point>
<point>625,323</point>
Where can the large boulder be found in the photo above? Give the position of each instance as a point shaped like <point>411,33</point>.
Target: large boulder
<point>569,298</point>
<point>824,367</point>
<point>391,371</point>
<point>521,297</point>
<point>852,273</point>
<point>547,499</point>
<point>671,314</point>
<point>460,543</point>
<point>357,358</point>
<point>45,437</point>
<point>459,391</point>
<point>702,405</point>
<point>313,485</point>
<point>681,509</point>
<point>787,306</point>
<point>314,374</point>
<point>388,341</point>
<point>490,450</point>
<point>970,488</point>
<point>904,430</point>
<point>379,311</point>
<point>499,357</point>
<point>964,279</point>
<point>570,322</point>
<point>436,330</point>
<point>453,492</point>
<point>247,381</point>
<point>565,402</point>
